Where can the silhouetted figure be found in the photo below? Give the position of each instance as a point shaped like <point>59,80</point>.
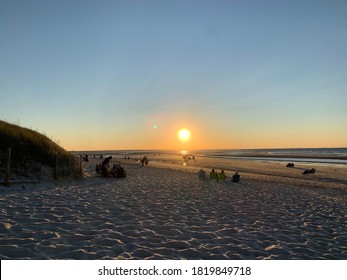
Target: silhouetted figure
<point>114,170</point>
<point>144,161</point>
<point>202,174</point>
<point>106,160</point>
<point>105,166</point>
<point>97,169</point>
<point>120,172</point>
<point>236,177</point>
<point>222,175</point>
<point>213,175</point>
<point>309,171</point>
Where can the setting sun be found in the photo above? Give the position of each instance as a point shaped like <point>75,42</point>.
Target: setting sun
<point>184,134</point>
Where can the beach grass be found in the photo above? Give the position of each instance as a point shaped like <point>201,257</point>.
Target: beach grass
<point>28,145</point>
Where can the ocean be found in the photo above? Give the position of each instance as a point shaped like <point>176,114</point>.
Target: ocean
<point>309,155</point>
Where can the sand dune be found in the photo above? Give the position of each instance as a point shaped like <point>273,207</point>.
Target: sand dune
<point>165,212</point>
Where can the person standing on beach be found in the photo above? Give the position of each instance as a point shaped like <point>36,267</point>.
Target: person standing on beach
<point>105,166</point>
<point>144,161</point>
<point>106,161</point>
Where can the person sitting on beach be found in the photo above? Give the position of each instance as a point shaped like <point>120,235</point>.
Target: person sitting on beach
<point>105,169</point>
<point>213,175</point>
<point>236,177</point>
<point>309,171</point>
<point>120,172</point>
<point>98,168</point>
<point>202,174</point>
<point>222,175</point>
<point>114,170</point>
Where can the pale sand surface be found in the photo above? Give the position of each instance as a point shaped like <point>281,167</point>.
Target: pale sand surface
<point>164,211</point>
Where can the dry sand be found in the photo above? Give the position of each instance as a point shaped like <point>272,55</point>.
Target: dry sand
<point>164,211</point>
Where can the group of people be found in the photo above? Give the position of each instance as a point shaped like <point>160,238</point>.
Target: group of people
<point>104,169</point>
<point>144,161</point>
<point>215,176</point>
<point>305,172</point>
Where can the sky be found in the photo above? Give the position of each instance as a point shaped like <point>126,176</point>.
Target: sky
<point>105,75</point>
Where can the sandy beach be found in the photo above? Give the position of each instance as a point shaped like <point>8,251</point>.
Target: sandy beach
<point>164,211</point>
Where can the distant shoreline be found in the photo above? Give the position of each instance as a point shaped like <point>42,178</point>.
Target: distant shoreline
<point>314,155</point>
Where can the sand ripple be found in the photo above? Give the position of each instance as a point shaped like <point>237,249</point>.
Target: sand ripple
<point>167,214</point>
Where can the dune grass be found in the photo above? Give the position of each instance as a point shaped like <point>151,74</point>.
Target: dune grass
<point>29,145</point>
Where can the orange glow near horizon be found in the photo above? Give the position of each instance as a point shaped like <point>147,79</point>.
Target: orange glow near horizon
<point>169,134</point>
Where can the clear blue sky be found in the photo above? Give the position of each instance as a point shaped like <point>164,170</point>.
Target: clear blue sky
<point>129,74</point>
